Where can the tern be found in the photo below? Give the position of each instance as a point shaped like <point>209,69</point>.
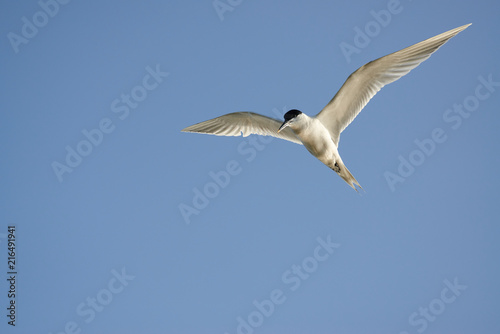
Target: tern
<point>320,134</point>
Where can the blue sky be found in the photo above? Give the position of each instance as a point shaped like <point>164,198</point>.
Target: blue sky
<point>96,173</point>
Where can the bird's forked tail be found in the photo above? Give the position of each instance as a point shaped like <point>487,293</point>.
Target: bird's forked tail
<point>347,176</point>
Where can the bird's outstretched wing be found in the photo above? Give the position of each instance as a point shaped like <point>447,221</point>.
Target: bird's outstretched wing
<point>366,81</point>
<point>243,123</point>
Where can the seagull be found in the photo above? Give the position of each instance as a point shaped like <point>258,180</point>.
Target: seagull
<point>320,134</point>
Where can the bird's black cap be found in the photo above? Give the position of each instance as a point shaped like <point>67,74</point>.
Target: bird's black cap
<point>292,114</point>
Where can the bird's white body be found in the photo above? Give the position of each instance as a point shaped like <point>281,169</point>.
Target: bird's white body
<point>320,134</point>
<point>316,139</point>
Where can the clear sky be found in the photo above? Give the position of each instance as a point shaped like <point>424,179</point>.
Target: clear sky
<point>123,224</point>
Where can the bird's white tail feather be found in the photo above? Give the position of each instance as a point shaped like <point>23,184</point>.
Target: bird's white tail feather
<point>347,176</point>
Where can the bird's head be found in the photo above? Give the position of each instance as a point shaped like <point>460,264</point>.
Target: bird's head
<point>290,117</point>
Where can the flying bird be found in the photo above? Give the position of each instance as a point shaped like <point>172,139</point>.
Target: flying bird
<point>320,134</point>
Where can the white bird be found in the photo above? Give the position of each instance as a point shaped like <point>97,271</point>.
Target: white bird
<point>320,134</point>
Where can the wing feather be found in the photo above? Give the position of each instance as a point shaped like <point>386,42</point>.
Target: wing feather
<point>366,81</point>
<point>243,123</point>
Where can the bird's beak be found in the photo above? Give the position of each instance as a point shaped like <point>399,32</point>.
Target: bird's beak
<point>284,125</point>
